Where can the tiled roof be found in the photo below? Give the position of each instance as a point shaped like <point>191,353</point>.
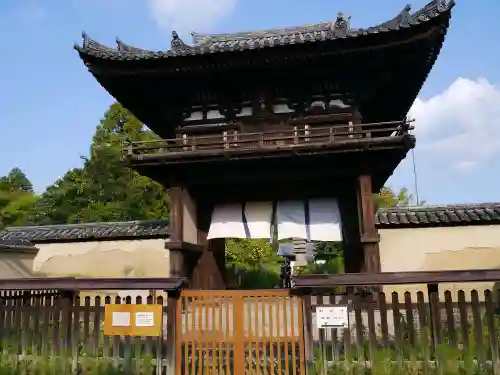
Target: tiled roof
<point>207,44</point>
<point>400,217</point>
<point>432,216</point>
<point>88,232</point>
<point>17,244</point>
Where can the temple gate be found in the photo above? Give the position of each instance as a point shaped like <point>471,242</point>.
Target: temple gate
<point>279,132</point>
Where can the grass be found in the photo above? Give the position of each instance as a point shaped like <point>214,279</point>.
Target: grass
<point>411,352</point>
<point>11,364</point>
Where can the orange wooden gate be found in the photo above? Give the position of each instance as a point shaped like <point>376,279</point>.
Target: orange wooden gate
<point>239,332</point>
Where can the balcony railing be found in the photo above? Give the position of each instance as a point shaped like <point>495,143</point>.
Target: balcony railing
<point>306,135</point>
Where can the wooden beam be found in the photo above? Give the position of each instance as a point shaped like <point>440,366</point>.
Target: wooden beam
<point>77,283</point>
<point>396,278</point>
<point>368,232</point>
<point>176,214</point>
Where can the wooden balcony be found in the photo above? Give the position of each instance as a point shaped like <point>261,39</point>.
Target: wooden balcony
<point>298,137</point>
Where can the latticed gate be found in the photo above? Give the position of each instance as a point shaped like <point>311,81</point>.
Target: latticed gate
<point>239,332</point>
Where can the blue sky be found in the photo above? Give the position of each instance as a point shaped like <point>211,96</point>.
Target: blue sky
<point>51,104</point>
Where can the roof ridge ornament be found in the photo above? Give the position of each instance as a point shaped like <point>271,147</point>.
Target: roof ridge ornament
<point>177,44</point>
<point>86,40</point>
<point>405,16</point>
<point>443,5</point>
<point>199,38</point>
<point>90,44</point>
<point>341,26</point>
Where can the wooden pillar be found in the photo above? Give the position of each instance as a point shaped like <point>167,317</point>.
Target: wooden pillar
<point>368,232</point>
<point>353,251</point>
<point>206,269</point>
<point>172,354</point>
<point>176,214</point>
<point>176,228</point>
<point>191,254</point>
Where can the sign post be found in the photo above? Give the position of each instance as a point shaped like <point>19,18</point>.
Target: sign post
<point>133,320</point>
<point>329,316</point>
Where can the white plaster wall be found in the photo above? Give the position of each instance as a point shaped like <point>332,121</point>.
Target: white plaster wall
<point>16,264</point>
<point>446,248</point>
<point>124,258</point>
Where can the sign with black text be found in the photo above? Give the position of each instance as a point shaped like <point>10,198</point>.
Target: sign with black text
<point>332,316</point>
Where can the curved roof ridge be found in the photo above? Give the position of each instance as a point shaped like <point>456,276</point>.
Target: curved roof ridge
<point>138,229</point>
<point>200,39</point>
<point>402,18</point>
<point>106,224</point>
<point>441,207</point>
<point>338,28</point>
<point>123,47</point>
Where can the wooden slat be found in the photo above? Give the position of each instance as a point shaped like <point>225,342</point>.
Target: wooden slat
<point>450,319</point>
<point>116,340</point>
<point>435,319</point>
<point>107,342</point>
<point>410,323</point>
<point>96,332</point>
<point>478,328</point>
<point>359,328</point>
<point>464,322</point>
<point>492,334</point>
<point>372,334</point>
<point>382,304</point>
<point>424,329</point>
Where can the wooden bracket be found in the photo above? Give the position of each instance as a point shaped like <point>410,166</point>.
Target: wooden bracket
<point>184,246</point>
<point>370,238</point>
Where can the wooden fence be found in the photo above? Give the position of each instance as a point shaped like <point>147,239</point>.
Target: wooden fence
<point>266,332</point>
<point>56,324</point>
<point>424,328</point>
<point>53,326</point>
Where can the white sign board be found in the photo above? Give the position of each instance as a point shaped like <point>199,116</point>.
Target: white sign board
<point>332,316</point>
<point>144,319</point>
<point>120,319</point>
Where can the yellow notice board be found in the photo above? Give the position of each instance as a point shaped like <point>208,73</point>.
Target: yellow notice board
<point>133,320</point>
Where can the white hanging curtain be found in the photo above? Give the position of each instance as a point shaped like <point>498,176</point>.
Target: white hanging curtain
<point>247,220</point>
<point>313,220</point>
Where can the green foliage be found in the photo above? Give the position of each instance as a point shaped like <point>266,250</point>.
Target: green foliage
<point>329,267</point>
<point>254,263</point>
<point>387,198</point>
<point>249,254</point>
<point>17,198</point>
<point>14,365</point>
<point>104,189</point>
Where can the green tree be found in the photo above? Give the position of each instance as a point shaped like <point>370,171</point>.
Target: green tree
<point>17,198</point>
<point>104,189</point>
<point>388,198</point>
<point>254,263</point>
<point>16,180</point>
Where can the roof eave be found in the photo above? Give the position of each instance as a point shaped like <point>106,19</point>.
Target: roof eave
<point>339,30</point>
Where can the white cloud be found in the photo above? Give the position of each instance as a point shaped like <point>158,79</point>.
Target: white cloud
<point>460,125</point>
<point>185,16</point>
